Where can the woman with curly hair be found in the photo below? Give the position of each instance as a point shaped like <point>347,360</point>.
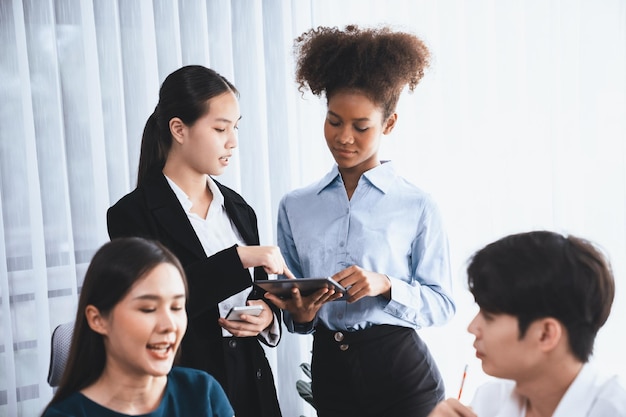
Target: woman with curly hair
<point>378,235</point>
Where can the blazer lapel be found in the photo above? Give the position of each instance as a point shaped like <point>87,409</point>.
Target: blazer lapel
<point>244,219</point>
<point>239,212</point>
<point>166,208</point>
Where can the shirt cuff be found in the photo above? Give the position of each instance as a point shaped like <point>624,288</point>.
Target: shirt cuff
<point>304,328</point>
<point>271,334</point>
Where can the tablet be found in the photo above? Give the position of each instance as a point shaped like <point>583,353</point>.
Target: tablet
<point>307,286</point>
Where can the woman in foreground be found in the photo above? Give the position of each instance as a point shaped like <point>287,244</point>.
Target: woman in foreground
<point>129,324</point>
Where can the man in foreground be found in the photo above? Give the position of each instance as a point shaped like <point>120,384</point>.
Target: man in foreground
<point>542,297</point>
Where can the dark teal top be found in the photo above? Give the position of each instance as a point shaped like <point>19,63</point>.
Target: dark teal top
<point>189,392</point>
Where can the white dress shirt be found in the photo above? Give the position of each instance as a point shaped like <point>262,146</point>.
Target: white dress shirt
<point>590,395</point>
<point>217,232</point>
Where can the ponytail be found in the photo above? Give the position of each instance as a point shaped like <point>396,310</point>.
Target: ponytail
<point>153,151</point>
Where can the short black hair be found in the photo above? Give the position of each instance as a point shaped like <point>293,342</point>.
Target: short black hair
<point>543,274</point>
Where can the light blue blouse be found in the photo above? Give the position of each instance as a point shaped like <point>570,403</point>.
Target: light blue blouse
<point>389,226</point>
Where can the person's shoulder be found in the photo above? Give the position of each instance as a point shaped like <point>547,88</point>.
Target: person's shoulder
<point>407,194</point>
<point>131,198</point>
<point>411,189</point>
<point>183,376</point>
<point>611,397</point>
<point>301,194</point>
<point>154,187</point>
<point>184,373</point>
<point>230,194</point>
<point>313,188</point>
<point>309,189</point>
<point>494,396</point>
<point>197,393</point>
<point>72,406</point>
<point>127,198</point>
<point>153,183</point>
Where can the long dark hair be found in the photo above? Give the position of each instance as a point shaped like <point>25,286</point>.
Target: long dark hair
<point>114,269</point>
<point>185,94</point>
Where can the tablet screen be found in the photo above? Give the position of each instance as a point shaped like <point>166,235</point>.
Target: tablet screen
<point>307,286</point>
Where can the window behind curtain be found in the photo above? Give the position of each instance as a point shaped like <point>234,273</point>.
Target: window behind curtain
<point>519,124</point>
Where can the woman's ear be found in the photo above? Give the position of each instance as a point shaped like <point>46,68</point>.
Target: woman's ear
<point>390,123</point>
<point>177,129</point>
<point>95,320</point>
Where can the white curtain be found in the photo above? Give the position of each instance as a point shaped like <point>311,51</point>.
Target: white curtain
<point>519,124</point>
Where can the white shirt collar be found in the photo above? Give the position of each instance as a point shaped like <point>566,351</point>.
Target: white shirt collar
<point>381,176</point>
<point>183,198</point>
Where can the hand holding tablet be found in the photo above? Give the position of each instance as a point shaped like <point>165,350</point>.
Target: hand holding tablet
<point>307,286</point>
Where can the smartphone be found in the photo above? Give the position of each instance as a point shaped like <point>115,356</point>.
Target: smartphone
<point>236,312</point>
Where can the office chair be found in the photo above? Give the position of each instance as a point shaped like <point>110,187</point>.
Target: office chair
<point>61,340</point>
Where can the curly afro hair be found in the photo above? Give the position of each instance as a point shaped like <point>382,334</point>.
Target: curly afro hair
<point>377,62</point>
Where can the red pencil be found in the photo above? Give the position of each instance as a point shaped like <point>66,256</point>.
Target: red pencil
<point>462,382</point>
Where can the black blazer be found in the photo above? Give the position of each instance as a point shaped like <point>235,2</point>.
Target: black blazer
<point>153,211</point>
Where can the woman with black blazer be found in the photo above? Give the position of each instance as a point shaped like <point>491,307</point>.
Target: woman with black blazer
<point>211,229</point>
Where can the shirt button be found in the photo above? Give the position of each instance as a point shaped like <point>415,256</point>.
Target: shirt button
<point>338,336</point>
<point>344,347</point>
<point>232,343</point>
<point>259,374</point>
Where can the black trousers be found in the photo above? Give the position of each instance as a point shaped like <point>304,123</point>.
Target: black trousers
<point>381,371</point>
